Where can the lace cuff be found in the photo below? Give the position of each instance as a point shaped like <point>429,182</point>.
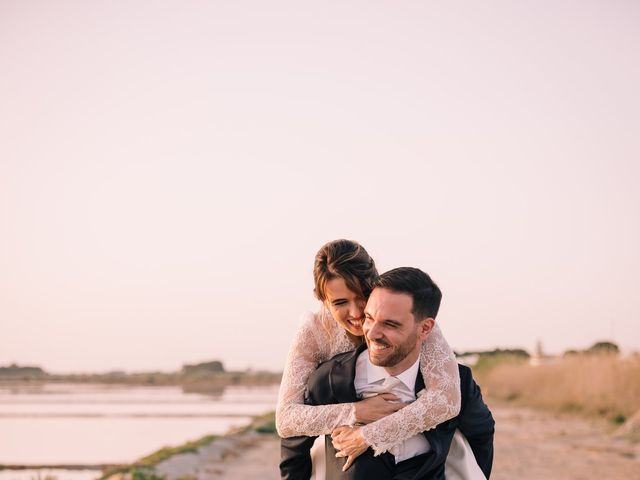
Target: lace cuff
<point>294,420</point>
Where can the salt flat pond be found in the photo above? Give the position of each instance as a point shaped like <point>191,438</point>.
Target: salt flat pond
<point>91,424</point>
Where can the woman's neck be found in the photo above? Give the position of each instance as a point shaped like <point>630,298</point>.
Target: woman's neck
<point>355,340</point>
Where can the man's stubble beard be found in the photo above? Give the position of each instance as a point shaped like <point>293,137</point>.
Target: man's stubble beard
<point>400,353</point>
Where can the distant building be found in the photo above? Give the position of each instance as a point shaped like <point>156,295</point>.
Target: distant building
<point>540,358</point>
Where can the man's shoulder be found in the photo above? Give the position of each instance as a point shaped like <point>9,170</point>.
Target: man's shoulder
<point>464,372</point>
<point>469,389</point>
<point>332,381</point>
<point>339,359</point>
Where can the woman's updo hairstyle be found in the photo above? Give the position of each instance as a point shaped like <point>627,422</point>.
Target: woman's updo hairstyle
<point>348,260</point>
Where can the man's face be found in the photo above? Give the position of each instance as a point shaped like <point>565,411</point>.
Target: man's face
<point>391,331</point>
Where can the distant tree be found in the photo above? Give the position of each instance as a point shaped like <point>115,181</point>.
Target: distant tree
<point>15,370</point>
<point>205,368</point>
<point>608,348</point>
<point>570,353</point>
<point>513,352</point>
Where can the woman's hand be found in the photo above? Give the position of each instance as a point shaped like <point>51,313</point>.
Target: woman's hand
<point>374,408</point>
<point>349,443</point>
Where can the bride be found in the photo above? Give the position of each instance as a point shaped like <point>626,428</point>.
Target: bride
<point>343,273</point>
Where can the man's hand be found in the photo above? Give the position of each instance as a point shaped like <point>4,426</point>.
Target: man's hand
<point>349,443</point>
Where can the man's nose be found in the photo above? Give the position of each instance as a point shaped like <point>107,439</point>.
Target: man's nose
<point>374,332</point>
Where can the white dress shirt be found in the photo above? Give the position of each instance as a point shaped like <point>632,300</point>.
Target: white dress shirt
<point>370,378</point>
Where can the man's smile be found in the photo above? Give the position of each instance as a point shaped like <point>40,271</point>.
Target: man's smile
<point>378,345</point>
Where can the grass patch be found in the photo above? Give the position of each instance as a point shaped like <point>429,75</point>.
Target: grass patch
<point>143,468</point>
<point>145,474</point>
<point>264,423</point>
<point>618,419</point>
<point>166,452</point>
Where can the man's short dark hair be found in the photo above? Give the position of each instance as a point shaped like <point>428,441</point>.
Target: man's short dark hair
<point>425,293</point>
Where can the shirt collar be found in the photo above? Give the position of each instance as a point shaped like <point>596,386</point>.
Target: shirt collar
<point>408,377</point>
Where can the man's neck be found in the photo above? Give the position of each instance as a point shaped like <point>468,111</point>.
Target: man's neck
<point>403,364</point>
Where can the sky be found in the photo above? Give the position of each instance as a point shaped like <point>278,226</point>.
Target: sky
<point>168,171</point>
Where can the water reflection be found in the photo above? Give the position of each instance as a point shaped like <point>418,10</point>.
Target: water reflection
<point>214,391</point>
<point>89,424</point>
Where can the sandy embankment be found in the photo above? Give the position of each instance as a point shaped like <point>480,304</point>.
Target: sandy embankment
<point>529,445</point>
<point>242,456</point>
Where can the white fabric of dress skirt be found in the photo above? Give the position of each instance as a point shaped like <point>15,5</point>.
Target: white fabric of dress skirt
<point>318,457</point>
<point>461,464</point>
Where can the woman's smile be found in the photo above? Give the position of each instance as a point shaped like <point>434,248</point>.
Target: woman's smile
<point>346,306</point>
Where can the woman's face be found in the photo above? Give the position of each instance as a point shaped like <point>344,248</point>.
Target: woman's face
<point>346,307</point>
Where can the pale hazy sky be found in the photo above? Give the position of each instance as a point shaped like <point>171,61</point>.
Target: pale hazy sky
<point>169,169</point>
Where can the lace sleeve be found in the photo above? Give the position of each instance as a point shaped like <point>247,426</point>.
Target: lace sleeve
<point>440,402</point>
<point>310,346</point>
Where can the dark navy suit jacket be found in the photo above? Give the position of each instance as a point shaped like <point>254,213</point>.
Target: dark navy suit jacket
<point>332,383</point>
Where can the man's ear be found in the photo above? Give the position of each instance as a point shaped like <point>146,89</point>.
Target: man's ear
<point>426,327</point>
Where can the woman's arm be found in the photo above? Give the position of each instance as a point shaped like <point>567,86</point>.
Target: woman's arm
<point>309,347</point>
<point>440,402</point>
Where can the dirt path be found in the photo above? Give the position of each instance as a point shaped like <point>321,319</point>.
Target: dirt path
<point>240,457</point>
<point>529,445</point>
<point>533,445</point>
<point>259,462</point>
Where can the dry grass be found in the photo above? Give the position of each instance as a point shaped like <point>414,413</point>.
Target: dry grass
<point>602,385</point>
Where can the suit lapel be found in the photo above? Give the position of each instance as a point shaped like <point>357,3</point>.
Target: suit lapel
<point>342,374</point>
<point>419,382</point>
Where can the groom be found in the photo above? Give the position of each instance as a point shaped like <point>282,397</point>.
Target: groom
<point>399,316</point>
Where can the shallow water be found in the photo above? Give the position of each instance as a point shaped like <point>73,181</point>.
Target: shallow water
<point>44,474</point>
<point>89,424</point>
